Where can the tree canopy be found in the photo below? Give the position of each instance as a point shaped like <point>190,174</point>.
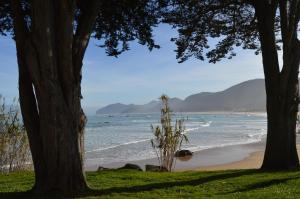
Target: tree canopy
<point>228,25</point>
<point>51,38</point>
<point>116,22</point>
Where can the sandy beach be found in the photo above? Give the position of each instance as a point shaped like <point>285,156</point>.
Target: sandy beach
<point>229,157</point>
<point>245,156</point>
<point>253,161</point>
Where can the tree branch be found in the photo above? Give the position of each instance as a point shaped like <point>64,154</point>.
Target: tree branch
<point>86,21</point>
<point>63,19</point>
<point>284,25</point>
<point>283,19</point>
<point>20,29</point>
<point>298,13</point>
<point>292,19</point>
<point>27,95</point>
<point>289,28</point>
<point>24,42</point>
<point>30,116</point>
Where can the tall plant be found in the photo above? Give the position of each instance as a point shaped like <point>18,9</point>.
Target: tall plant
<point>167,138</point>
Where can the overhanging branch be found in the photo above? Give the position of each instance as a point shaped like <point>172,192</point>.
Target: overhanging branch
<point>20,29</point>
<point>87,17</point>
<point>23,41</point>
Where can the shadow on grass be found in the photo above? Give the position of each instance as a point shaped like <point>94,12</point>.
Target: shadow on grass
<point>165,185</point>
<point>263,184</point>
<point>13,195</point>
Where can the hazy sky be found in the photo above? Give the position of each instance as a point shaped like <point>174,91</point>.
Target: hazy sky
<point>139,76</point>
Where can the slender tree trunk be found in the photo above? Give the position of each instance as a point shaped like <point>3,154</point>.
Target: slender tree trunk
<point>282,94</point>
<point>31,120</point>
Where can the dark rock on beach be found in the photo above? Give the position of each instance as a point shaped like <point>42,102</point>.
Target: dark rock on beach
<point>183,153</point>
<point>100,168</point>
<point>131,166</point>
<point>155,168</point>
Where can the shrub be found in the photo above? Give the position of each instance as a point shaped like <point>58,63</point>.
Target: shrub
<point>167,138</point>
<point>14,146</point>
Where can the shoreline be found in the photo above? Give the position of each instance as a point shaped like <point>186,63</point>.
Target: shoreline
<point>206,157</point>
<point>218,158</point>
<point>253,161</point>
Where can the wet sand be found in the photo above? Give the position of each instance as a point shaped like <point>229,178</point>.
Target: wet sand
<point>220,158</point>
<point>253,161</point>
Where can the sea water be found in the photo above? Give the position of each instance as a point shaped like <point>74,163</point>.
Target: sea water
<point>126,137</point>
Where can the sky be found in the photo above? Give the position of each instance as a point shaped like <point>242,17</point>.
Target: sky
<point>138,75</point>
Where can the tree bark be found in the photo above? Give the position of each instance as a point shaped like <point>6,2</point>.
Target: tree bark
<point>282,93</point>
<point>50,94</point>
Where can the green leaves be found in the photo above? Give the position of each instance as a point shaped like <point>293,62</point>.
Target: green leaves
<point>117,23</point>
<point>122,21</point>
<point>5,17</point>
<point>227,24</point>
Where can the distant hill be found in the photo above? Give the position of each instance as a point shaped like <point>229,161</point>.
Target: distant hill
<point>153,106</point>
<point>246,96</point>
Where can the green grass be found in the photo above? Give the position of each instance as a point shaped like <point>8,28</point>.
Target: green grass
<point>133,184</point>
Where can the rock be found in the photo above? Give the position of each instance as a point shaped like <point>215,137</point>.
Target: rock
<point>183,153</point>
<point>100,168</point>
<point>132,166</point>
<point>185,158</point>
<point>155,168</point>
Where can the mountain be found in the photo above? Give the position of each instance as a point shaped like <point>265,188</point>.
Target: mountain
<point>153,106</point>
<point>246,96</point>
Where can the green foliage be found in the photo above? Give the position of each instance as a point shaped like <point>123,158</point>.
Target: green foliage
<point>246,184</point>
<point>167,139</point>
<point>121,21</point>
<point>227,24</point>
<point>118,21</point>
<point>14,146</point>
<point>5,18</point>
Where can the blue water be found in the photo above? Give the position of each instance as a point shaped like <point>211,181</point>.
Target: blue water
<point>126,137</point>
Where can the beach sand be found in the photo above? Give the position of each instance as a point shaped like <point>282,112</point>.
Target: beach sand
<point>207,159</point>
<point>253,161</point>
<point>244,156</point>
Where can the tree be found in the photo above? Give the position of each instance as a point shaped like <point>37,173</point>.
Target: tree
<point>51,38</point>
<point>263,25</point>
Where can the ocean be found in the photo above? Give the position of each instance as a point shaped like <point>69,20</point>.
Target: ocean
<point>126,137</point>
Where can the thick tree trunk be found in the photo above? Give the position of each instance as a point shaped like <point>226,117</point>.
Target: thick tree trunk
<point>50,95</point>
<point>55,132</point>
<point>281,150</point>
<point>282,94</point>
<point>61,147</point>
<point>55,136</point>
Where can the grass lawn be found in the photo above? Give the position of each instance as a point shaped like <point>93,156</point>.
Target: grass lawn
<point>133,184</point>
